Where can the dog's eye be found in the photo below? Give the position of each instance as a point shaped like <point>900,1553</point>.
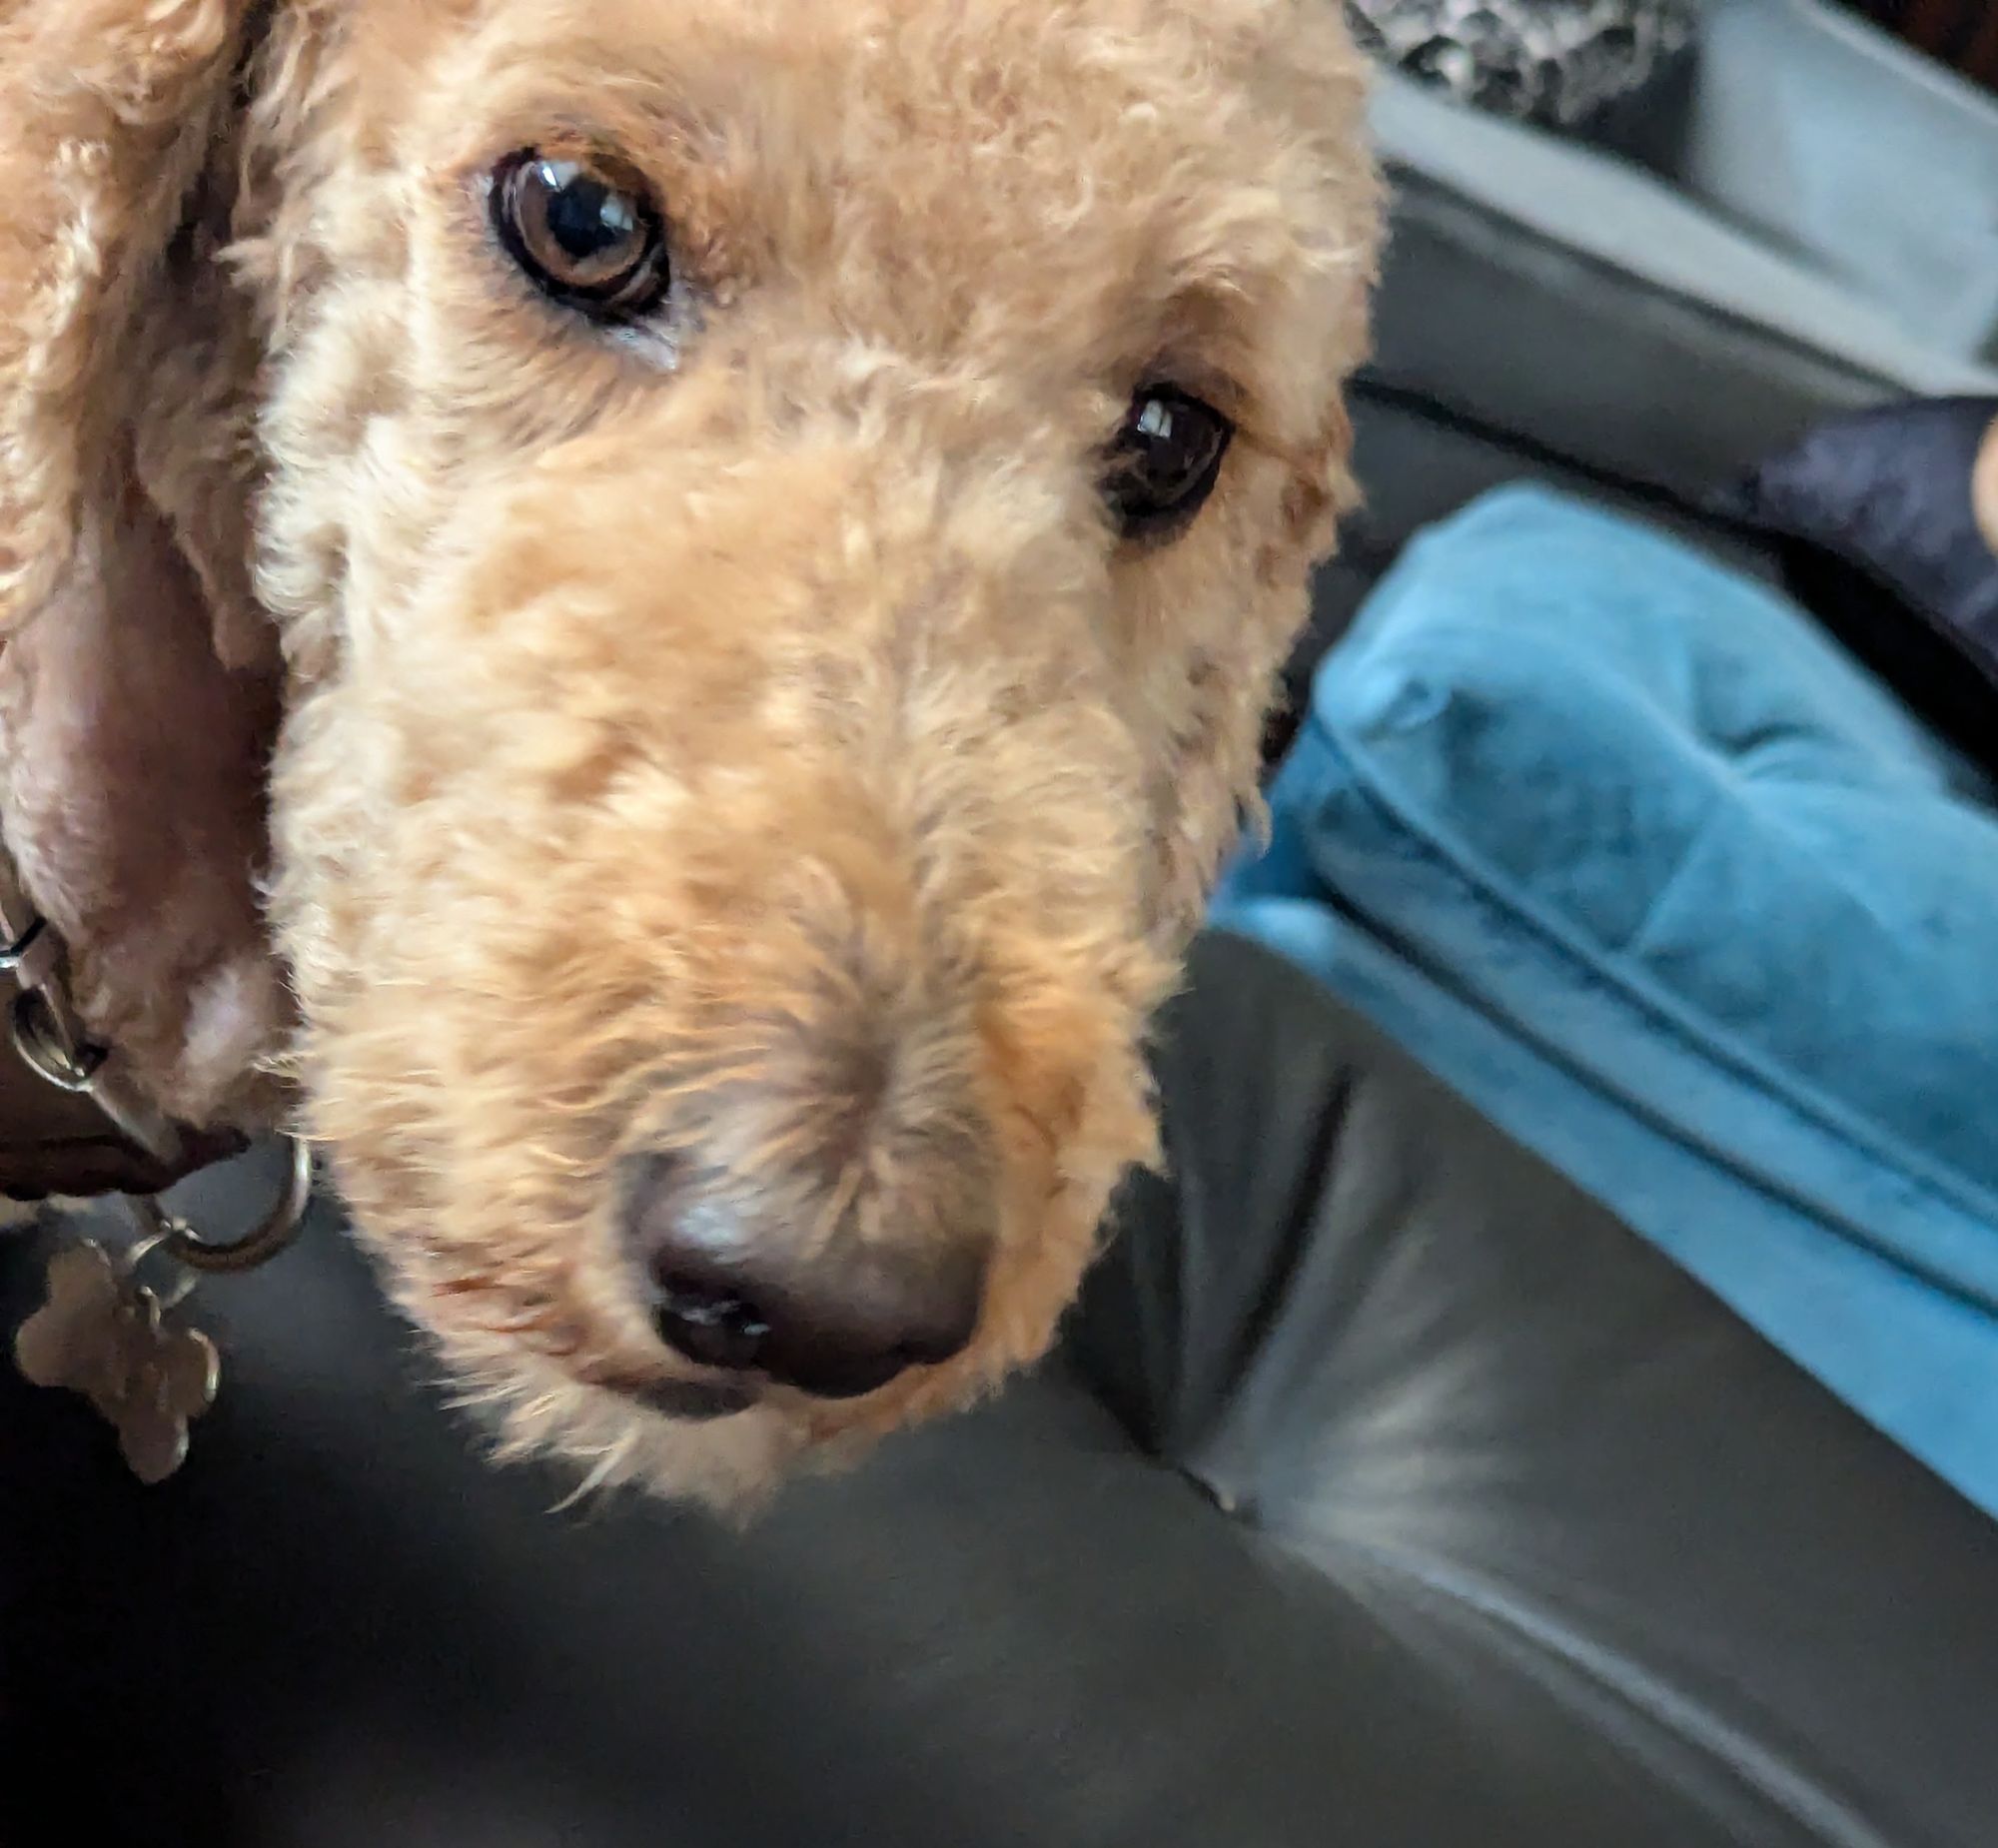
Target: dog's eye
<point>584,229</point>
<point>1164,462</point>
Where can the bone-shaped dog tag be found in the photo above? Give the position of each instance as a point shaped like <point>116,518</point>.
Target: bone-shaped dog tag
<point>104,1335</point>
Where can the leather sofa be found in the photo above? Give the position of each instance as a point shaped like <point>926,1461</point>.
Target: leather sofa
<point>1385,1490</point>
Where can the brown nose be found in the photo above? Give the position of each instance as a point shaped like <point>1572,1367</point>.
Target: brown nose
<point>836,1319</point>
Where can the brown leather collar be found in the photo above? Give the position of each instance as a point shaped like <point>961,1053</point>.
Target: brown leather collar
<point>69,1121</point>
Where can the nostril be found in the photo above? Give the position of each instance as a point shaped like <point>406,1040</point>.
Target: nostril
<point>877,1328</point>
<point>711,1326</point>
<point>727,1286</point>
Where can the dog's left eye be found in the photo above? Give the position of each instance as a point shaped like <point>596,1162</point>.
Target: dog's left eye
<point>1165,462</point>
<point>584,229</point>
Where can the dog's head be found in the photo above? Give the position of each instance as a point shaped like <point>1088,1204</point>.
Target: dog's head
<point>779,519</point>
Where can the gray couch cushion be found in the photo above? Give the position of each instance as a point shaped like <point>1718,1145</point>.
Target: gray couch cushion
<point>1666,241</point>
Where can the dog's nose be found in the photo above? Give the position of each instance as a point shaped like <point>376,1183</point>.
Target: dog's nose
<point>834,1320</point>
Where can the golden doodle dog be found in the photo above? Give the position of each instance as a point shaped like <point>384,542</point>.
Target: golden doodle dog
<point>651,619</point>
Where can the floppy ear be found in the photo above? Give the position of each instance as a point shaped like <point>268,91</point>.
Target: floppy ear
<point>138,681</point>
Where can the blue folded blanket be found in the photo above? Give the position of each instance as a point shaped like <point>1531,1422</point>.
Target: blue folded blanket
<point>1630,854</point>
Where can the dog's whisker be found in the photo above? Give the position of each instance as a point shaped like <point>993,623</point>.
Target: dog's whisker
<point>603,1471</point>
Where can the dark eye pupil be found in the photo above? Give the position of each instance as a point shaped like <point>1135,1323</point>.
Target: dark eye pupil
<point>586,231</point>
<point>585,217</point>
<point>1165,461</point>
<point>1163,437</point>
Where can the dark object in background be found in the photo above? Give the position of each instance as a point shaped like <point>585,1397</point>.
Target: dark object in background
<point>1870,516</point>
<point>1962,34</point>
<point>1558,62</point>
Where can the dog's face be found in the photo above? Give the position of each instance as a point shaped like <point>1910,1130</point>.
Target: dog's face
<point>781,518</point>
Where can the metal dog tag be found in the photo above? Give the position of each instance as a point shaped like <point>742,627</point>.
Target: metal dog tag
<point>106,1335</point>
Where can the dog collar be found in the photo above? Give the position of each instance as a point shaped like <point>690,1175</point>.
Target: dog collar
<point>72,1123</point>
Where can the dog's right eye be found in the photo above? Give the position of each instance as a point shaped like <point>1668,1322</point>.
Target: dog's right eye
<point>584,229</point>
<point>1164,463</point>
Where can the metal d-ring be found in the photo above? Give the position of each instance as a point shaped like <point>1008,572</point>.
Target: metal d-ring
<point>40,1037</point>
<point>135,1254</point>
<point>278,1228</point>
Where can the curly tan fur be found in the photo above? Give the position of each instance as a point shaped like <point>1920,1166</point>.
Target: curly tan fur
<point>751,742</point>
